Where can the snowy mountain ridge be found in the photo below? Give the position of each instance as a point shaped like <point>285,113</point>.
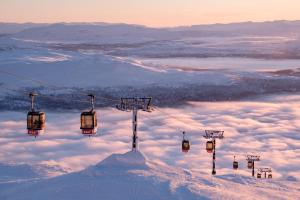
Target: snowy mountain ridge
<point>118,33</point>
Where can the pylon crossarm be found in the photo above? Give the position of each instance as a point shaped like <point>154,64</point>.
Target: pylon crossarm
<point>134,104</point>
<point>253,158</point>
<point>213,134</point>
<point>127,104</point>
<point>263,170</point>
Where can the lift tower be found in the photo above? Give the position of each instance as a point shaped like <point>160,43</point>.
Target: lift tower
<point>134,104</point>
<point>212,135</point>
<point>264,171</point>
<point>251,160</point>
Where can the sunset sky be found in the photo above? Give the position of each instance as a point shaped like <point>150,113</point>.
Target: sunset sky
<point>155,13</point>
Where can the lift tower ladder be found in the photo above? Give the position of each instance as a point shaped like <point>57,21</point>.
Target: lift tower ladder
<point>134,104</point>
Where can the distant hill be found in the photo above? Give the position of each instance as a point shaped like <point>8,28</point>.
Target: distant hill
<point>11,28</point>
<point>124,33</point>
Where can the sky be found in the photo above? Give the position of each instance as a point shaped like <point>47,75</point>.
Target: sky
<point>155,13</point>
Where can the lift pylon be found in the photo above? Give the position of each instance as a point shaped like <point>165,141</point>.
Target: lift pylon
<point>264,171</point>
<point>212,135</point>
<point>251,160</point>
<point>134,104</point>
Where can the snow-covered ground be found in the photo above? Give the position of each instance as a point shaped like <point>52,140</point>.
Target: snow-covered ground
<point>132,176</point>
<point>28,66</point>
<point>228,64</point>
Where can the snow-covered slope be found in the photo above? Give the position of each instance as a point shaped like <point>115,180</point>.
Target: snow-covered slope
<point>13,172</point>
<point>79,70</point>
<point>131,176</point>
<point>52,70</point>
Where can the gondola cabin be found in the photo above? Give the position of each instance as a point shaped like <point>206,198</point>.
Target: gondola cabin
<point>35,123</point>
<point>258,175</point>
<point>250,164</point>
<point>269,175</point>
<point>185,146</point>
<point>235,165</point>
<point>88,121</point>
<point>209,146</point>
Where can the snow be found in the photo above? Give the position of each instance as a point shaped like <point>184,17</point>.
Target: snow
<point>56,57</point>
<point>78,69</point>
<point>95,61</point>
<point>117,177</point>
<point>129,159</point>
<point>132,176</point>
<point>232,64</point>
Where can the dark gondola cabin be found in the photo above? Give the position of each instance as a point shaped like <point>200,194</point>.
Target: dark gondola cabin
<point>250,164</point>
<point>36,120</point>
<point>35,123</point>
<point>185,146</point>
<point>258,175</point>
<point>235,165</point>
<point>270,176</point>
<point>89,123</point>
<point>88,120</point>
<point>209,146</point>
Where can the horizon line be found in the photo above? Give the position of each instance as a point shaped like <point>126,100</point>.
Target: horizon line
<point>133,24</point>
